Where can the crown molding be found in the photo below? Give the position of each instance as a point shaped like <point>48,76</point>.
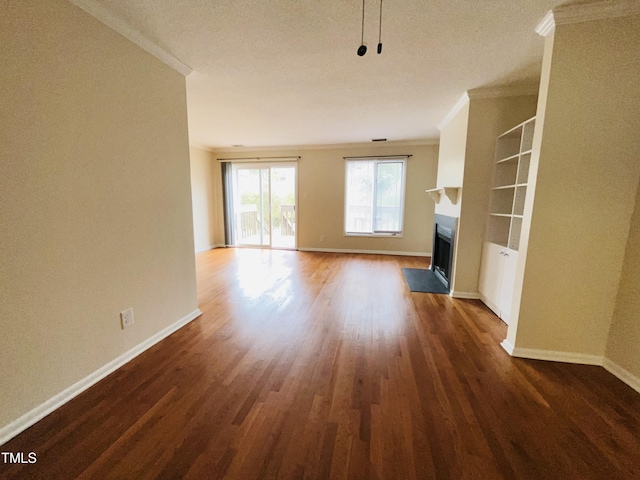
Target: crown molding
<point>328,146</point>
<point>93,8</point>
<point>595,11</point>
<point>489,92</point>
<point>202,147</point>
<point>586,12</point>
<point>546,25</point>
<point>454,111</point>
<point>497,92</point>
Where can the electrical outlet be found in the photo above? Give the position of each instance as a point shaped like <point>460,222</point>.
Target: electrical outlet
<point>322,238</point>
<point>126,318</point>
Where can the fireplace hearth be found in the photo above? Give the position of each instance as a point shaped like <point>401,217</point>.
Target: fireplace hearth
<point>444,230</point>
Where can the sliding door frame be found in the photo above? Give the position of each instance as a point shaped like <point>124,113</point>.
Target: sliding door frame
<point>267,164</point>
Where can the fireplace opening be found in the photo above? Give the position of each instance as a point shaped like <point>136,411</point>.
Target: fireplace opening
<point>443,251</point>
<point>442,256</point>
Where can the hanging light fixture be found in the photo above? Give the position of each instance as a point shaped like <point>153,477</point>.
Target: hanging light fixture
<point>362,49</point>
<point>380,31</point>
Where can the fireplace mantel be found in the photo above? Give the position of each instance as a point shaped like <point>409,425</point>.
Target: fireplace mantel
<point>451,193</point>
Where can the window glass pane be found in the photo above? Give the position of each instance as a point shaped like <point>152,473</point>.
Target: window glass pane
<point>388,214</point>
<point>374,196</point>
<point>359,197</point>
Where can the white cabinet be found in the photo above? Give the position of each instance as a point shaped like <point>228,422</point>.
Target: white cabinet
<point>490,281</point>
<point>510,262</point>
<point>497,277</point>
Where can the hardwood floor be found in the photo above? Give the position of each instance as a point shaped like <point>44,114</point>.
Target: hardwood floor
<point>317,365</point>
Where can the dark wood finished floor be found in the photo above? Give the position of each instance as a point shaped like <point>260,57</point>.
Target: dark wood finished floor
<point>315,365</point>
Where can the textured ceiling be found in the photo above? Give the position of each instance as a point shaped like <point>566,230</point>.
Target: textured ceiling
<point>285,72</point>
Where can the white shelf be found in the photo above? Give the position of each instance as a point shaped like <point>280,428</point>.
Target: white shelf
<point>515,185</point>
<point>510,177</point>
<point>508,215</point>
<point>513,132</point>
<point>451,193</point>
<point>512,158</point>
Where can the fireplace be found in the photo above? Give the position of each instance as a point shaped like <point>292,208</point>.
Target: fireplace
<point>444,231</point>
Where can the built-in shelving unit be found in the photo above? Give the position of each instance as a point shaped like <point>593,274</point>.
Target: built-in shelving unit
<point>506,210</point>
<point>510,178</point>
<point>450,192</point>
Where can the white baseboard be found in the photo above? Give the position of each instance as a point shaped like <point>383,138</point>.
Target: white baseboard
<point>492,306</point>
<point>465,295</point>
<point>572,357</point>
<point>370,252</point>
<point>210,247</point>
<point>508,346</point>
<point>550,355</point>
<point>625,375</point>
<point>28,419</point>
<point>553,356</point>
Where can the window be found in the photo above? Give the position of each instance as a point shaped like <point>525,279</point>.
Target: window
<point>374,200</point>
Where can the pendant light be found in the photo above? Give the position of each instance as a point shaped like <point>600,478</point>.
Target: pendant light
<point>380,31</point>
<point>362,49</point>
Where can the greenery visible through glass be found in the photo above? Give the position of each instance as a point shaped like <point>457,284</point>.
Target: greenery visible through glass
<point>264,205</point>
<point>374,196</point>
<point>281,193</point>
<point>388,197</point>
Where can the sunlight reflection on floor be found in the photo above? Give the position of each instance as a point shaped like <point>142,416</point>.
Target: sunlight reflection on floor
<point>273,287</point>
<point>265,274</point>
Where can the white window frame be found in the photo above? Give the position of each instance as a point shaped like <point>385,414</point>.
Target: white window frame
<point>376,160</point>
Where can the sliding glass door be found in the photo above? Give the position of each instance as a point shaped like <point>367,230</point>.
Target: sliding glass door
<point>263,205</point>
<point>252,212</point>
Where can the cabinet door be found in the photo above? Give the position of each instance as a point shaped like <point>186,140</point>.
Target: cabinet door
<point>510,262</point>
<point>490,280</point>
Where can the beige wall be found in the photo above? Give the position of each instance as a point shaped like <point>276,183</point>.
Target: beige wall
<point>321,183</point>
<point>531,188</point>
<point>623,347</point>
<point>451,158</point>
<point>205,175</point>
<point>586,157</point>
<point>488,118</point>
<point>95,205</point>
